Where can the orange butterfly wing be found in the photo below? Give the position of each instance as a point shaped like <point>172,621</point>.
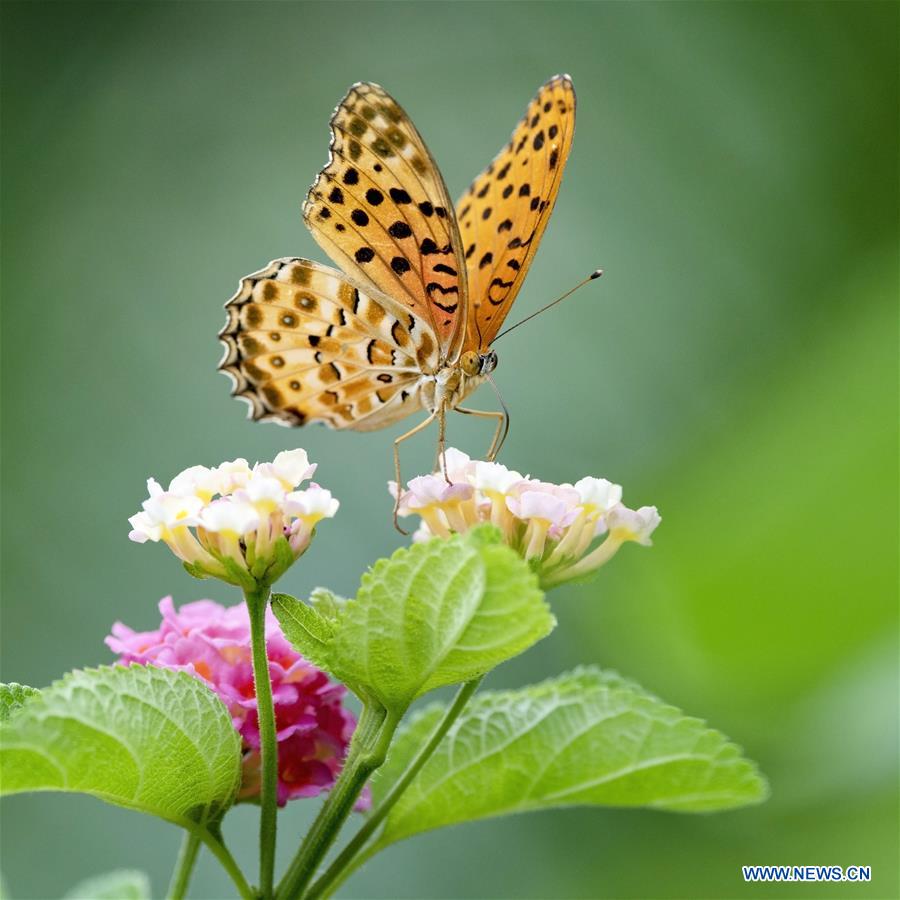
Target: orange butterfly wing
<point>381,211</point>
<point>506,209</point>
<point>304,345</point>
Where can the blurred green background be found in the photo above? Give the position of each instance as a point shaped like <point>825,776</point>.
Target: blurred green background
<point>734,171</point>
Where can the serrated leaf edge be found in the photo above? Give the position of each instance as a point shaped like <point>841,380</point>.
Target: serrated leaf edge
<point>41,708</point>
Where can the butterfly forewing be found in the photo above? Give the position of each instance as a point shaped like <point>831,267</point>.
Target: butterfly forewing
<point>303,344</point>
<point>381,211</point>
<point>504,212</point>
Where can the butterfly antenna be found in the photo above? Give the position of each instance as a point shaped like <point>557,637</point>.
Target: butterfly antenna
<point>595,274</point>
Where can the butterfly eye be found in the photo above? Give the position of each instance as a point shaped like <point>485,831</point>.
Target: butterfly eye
<point>470,362</point>
<point>488,362</point>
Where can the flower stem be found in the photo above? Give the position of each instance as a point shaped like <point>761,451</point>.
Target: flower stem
<point>213,841</point>
<point>351,857</point>
<point>367,752</point>
<point>184,867</point>
<point>257,601</point>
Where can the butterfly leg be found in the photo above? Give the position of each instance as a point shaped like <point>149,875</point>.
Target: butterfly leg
<point>500,432</point>
<point>442,440</point>
<point>397,442</point>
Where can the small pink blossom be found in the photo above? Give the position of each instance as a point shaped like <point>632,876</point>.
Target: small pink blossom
<point>212,643</point>
<point>553,503</point>
<point>434,490</point>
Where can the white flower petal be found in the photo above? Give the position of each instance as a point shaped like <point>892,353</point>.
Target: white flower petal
<point>313,503</point>
<point>171,510</point>
<point>598,494</point>
<point>292,467</point>
<point>143,529</point>
<point>266,491</point>
<point>633,524</point>
<point>198,480</point>
<point>457,464</point>
<point>232,476</point>
<point>492,476</point>
<point>231,515</point>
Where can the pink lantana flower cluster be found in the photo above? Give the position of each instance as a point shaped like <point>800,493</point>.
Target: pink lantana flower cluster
<point>212,643</point>
<point>566,531</point>
<point>240,524</point>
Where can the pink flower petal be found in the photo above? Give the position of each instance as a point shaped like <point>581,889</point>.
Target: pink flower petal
<point>212,643</point>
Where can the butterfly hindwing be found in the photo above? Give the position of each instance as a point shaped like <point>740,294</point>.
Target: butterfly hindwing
<point>303,345</point>
<point>504,212</point>
<point>381,211</point>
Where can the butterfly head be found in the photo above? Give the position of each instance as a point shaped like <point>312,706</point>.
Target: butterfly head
<point>474,364</point>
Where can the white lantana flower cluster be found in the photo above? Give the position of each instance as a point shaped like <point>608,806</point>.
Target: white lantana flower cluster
<point>243,525</point>
<point>566,531</point>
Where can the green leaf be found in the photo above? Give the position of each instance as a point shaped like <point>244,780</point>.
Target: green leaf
<point>406,617</point>
<point>306,628</point>
<point>13,696</point>
<point>435,613</point>
<point>585,738</point>
<point>121,884</point>
<point>511,616</point>
<point>327,603</point>
<point>145,738</point>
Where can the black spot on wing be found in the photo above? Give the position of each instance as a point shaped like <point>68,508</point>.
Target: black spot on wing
<point>400,196</point>
<point>434,286</point>
<point>400,230</point>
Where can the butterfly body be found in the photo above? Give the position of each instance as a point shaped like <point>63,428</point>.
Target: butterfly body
<point>447,388</point>
<point>406,322</point>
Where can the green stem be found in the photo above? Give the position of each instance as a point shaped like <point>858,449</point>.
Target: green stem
<point>351,856</point>
<point>367,752</point>
<point>213,841</point>
<point>184,867</point>
<point>257,601</point>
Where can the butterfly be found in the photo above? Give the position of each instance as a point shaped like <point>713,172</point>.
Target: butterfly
<point>407,321</point>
